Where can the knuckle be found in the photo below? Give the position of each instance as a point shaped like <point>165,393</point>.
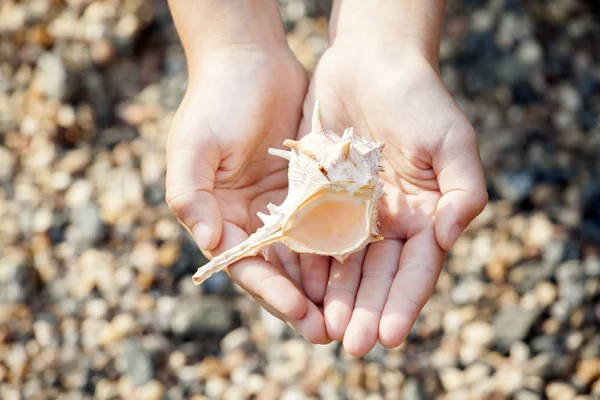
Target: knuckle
<point>265,284</point>
<point>176,200</point>
<point>408,306</point>
<point>370,308</point>
<point>176,207</point>
<point>419,267</point>
<point>179,196</point>
<point>379,274</point>
<point>483,201</point>
<point>174,203</point>
<point>480,200</point>
<point>339,292</point>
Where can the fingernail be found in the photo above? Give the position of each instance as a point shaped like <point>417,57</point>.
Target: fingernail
<point>453,235</point>
<point>202,235</point>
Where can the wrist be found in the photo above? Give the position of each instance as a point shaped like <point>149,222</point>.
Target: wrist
<point>414,26</point>
<point>208,27</point>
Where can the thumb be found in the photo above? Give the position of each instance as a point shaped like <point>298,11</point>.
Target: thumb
<point>192,160</point>
<point>461,180</point>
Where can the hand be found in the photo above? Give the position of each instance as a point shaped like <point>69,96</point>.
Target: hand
<point>240,101</point>
<point>433,179</point>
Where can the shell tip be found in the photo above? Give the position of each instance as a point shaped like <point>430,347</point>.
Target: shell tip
<point>340,259</point>
<point>346,148</point>
<point>197,278</point>
<point>280,153</point>
<point>292,144</point>
<point>348,133</point>
<point>317,122</point>
<point>263,217</point>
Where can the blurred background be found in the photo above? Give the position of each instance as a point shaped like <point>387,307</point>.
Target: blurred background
<point>96,296</point>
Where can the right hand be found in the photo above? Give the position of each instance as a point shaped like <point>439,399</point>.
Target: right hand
<point>241,101</point>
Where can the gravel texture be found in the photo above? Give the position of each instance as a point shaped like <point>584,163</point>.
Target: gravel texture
<point>96,298</point>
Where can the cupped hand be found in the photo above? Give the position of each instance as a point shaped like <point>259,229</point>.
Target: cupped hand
<point>433,179</point>
<point>240,101</point>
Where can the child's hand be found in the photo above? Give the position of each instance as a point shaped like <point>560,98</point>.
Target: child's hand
<point>433,179</point>
<point>245,95</point>
<point>220,174</point>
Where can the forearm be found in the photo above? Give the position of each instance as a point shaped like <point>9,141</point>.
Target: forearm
<point>417,24</point>
<point>206,25</point>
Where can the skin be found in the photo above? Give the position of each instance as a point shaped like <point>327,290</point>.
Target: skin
<point>380,76</point>
<point>245,94</point>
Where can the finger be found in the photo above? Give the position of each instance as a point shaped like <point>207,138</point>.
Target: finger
<point>461,180</point>
<point>290,262</point>
<point>312,325</point>
<point>419,267</point>
<point>192,159</point>
<point>341,293</point>
<point>262,279</point>
<point>378,272</point>
<point>314,271</point>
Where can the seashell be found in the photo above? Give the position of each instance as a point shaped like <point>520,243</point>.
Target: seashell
<point>331,206</point>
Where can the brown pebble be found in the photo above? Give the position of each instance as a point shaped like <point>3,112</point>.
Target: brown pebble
<point>146,303</point>
<point>560,391</point>
<point>545,293</point>
<point>106,390</point>
<point>126,388</point>
<point>153,390</point>
<point>85,117</point>
<point>355,376</point>
<point>75,160</point>
<point>16,142</point>
<point>211,366</point>
<point>314,376</point>
<point>596,387</point>
<point>496,270</point>
<point>576,319</point>
<point>39,35</point>
<point>271,391</point>
<point>168,253</point>
<point>134,114</point>
<point>550,326</point>
<point>372,377</point>
<point>65,117</point>
<point>234,359</point>
<point>588,369</point>
<point>3,372</point>
<point>452,378</point>
<point>145,280</point>
<point>102,51</point>
<point>539,232</point>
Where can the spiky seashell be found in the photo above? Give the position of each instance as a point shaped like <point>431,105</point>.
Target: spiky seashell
<point>331,206</point>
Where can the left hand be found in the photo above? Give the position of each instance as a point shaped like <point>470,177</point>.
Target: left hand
<point>433,179</point>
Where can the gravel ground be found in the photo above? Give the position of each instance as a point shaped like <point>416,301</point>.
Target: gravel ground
<point>96,297</point>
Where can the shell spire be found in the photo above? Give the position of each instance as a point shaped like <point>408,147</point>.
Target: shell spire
<point>331,205</point>
<point>280,153</point>
<point>345,148</point>
<point>317,121</point>
<point>348,134</point>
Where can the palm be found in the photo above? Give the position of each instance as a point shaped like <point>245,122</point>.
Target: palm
<point>401,102</point>
<point>220,173</point>
<point>248,109</point>
<point>410,114</point>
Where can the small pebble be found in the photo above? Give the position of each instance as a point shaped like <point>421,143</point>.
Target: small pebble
<point>560,391</point>
<point>452,378</point>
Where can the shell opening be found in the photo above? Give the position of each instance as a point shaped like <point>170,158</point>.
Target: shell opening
<point>331,223</point>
